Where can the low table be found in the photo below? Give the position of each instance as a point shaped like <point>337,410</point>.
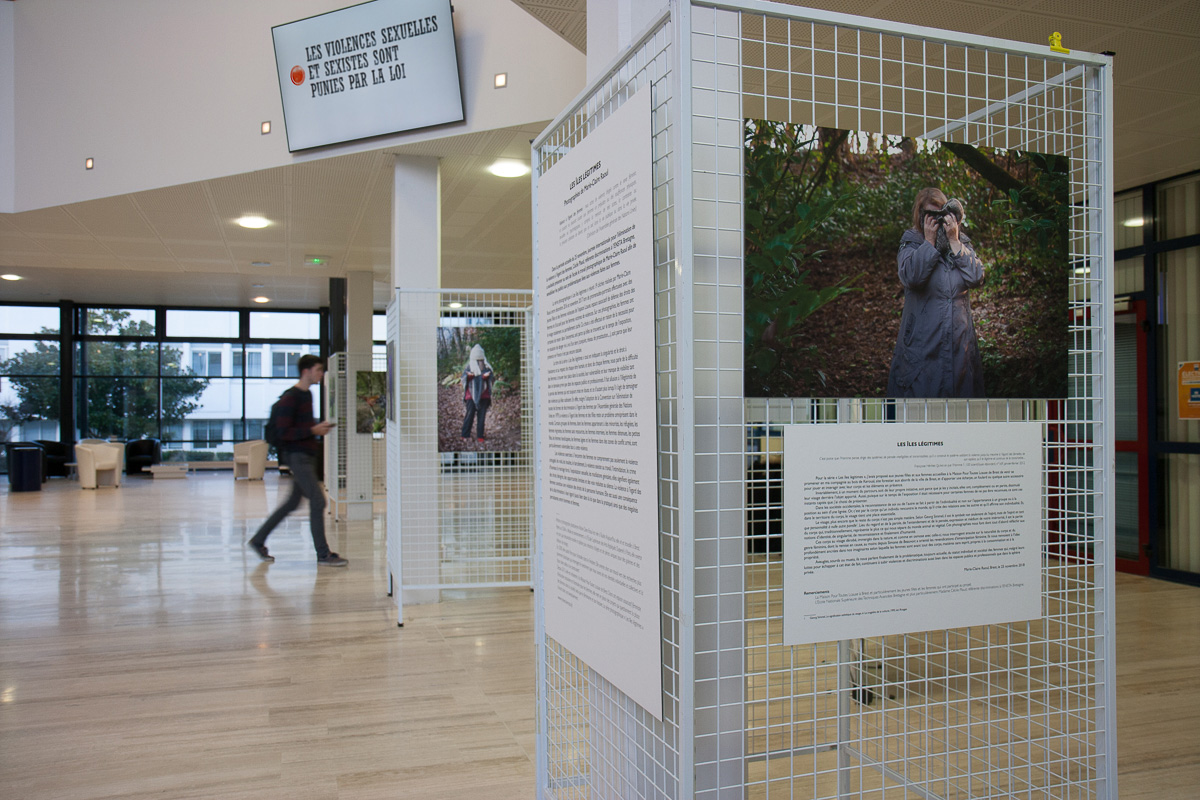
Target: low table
<point>169,471</point>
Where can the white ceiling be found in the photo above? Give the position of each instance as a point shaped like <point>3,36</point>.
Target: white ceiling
<point>179,246</point>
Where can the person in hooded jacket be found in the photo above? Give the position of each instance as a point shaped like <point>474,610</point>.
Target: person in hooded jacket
<point>477,392</point>
<point>936,353</point>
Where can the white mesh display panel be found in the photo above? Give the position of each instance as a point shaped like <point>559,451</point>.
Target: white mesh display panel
<point>355,463</point>
<point>996,711</point>
<point>463,519</point>
<point>392,443</point>
<point>593,740</point>
<point>1018,710</point>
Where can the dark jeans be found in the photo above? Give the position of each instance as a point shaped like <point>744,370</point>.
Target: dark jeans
<point>304,484</point>
<point>472,410</point>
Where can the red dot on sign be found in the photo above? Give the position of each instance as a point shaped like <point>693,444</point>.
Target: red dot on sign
<point>297,75</point>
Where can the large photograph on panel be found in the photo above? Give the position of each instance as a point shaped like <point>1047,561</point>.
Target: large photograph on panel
<point>479,388</point>
<point>890,266</point>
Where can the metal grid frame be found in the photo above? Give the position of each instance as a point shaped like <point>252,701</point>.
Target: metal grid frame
<point>1019,709</point>
<point>456,520</point>
<point>355,470</point>
<point>593,741</point>
<point>998,711</point>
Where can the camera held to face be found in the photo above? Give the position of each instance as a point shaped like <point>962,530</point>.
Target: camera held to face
<point>953,207</point>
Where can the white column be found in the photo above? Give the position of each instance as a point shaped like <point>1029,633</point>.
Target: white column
<point>360,307</point>
<point>413,518</point>
<point>360,473</point>
<point>611,26</point>
<point>417,224</point>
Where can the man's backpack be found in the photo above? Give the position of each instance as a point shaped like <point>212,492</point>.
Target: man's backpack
<point>271,429</point>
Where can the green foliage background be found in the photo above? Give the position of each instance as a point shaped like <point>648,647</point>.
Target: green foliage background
<point>501,344</point>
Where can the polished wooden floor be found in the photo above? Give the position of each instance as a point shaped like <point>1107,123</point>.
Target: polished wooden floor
<point>144,653</point>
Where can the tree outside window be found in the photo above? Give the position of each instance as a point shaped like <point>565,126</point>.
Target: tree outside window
<point>119,391</point>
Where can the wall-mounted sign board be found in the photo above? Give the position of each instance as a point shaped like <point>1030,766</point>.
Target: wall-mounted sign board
<point>380,67</point>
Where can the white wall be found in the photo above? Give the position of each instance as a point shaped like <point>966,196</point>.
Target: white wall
<point>163,93</point>
<point>7,115</point>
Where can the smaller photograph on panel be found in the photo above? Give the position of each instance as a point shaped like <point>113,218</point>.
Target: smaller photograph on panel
<point>370,392</point>
<point>479,389</point>
<point>391,382</point>
<point>900,267</point>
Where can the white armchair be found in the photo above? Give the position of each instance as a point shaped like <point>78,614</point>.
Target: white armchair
<point>111,443</point>
<point>250,459</point>
<point>100,464</point>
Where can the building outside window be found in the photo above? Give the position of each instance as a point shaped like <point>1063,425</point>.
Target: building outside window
<point>207,362</point>
<point>283,363</point>
<point>248,363</point>
<point>207,433</point>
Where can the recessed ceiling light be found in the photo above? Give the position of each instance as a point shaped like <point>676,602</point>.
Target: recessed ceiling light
<point>260,263</point>
<point>501,80</point>
<point>261,299</point>
<point>251,221</point>
<point>88,163</point>
<point>1136,222</point>
<point>509,168</point>
<point>456,305</point>
<point>266,127</point>
<point>258,286</point>
<point>11,277</point>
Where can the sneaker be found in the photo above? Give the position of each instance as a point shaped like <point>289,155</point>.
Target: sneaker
<point>333,560</point>
<point>261,549</point>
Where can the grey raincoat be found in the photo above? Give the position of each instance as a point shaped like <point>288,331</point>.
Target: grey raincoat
<point>936,353</point>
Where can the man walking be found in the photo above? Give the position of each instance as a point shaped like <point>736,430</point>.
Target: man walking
<point>296,433</point>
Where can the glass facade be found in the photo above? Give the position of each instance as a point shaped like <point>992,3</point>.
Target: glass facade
<point>1158,490</point>
<point>194,378</point>
<point>30,367</point>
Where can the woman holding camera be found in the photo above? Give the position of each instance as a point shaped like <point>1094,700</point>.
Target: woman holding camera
<point>936,352</point>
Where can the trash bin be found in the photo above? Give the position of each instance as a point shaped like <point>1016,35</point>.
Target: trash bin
<point>25,469</point>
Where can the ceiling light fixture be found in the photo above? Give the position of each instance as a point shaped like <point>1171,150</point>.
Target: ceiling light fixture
<point>1136,222</point>
<point>260,263</point>
<point>509,168</point>
<point>261,299</point>
<point>501,80</point>
<point>11,277</point>
<point>258,286</point>
<point>252,221</point>
<point>456,305</point>
<point>266,127</point>
<point>88,163</point>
